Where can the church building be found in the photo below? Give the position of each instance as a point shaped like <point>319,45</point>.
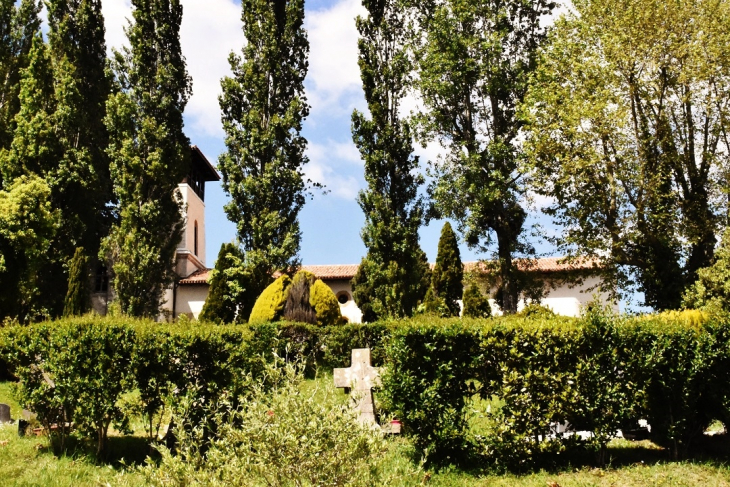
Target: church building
<point>188,294</point>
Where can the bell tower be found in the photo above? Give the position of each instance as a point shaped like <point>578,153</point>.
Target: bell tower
<point>191,249</point>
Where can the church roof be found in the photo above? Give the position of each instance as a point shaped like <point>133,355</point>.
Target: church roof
<point>197,277</point>
<point>348,271</point>
<point>203,165</point>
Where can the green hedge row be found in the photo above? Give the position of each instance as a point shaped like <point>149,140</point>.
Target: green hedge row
<point>491,390</point>
<point>494,390</point>
<point>79,370</point>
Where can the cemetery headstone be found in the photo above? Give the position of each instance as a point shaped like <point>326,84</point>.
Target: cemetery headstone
<point>5,413</point>
<point>360,377</point>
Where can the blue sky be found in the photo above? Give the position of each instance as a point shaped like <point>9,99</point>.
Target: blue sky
<point>330,223</point>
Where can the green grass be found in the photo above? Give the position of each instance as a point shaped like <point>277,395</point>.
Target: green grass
<point>29,462</point>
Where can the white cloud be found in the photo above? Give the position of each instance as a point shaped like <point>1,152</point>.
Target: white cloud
<point>320,168</point>
<point>210,30</point>
<point>333,82</point>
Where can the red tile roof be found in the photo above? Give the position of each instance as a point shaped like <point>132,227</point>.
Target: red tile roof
<point>331,272</point>
<point>347,271</point>
<point>197,277</point>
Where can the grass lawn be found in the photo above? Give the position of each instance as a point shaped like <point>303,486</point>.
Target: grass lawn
<point>28,461</point>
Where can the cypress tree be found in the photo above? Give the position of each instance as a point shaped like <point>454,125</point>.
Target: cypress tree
<point>78,294</point>
<point>448,271</point>
<point>390,279</point>
<point>263,106</point>
<point>149,155</point>
<point>221,304</point>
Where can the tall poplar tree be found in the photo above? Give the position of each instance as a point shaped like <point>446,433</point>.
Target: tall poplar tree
<point>149,155</point>
<point>18,26</point>
<point>474,61</point>
<point>263,106</point>
<point>78,53</point>
<point>392,277</point>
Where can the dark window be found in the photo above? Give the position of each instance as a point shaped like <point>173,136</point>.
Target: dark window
<point>343,297</point>
<point>197,182</point>
<point>101,279</point>
<point>195,238</point>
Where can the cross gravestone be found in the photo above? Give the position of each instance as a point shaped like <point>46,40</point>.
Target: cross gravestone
<point>4,413</point>
<point>361,377</point>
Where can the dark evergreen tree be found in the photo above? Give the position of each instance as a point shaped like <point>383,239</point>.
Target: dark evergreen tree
<point>448,271</point>
<point>149,155</point>
<point>18,26</point>
<point>476,305</point>
<point>82,86</point>
<point>263,106</point>
<point>78,295</point>
<point>59,134</point>
<point>222,303</point>
<point>390,279</point>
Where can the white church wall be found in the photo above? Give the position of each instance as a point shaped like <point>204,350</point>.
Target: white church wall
<point>342,288</point>
<point>190,300</point>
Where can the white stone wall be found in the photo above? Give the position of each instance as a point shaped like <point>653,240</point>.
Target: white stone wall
<point>349,310</point>
<point>190,299</point>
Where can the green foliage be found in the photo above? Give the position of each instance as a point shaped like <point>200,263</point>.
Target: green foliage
<point>263,106</point>
<point>473,64</point>
<point>286,437</point>
<point>78,295</point>
<point>303,299</point>
<point>298,306</point>
<point>625,119</point>
<point>223,302</point>
<point>27,226</point>
<point>476,305</point>
<point>75,373</point>
<point>711,291</point>
<point>325,304</point>
<point>59,135</point>
<point>270,305</point>
<point>150,155</point>
<point>448,273</point>
<point>18,26</point>
<point>393,276</point>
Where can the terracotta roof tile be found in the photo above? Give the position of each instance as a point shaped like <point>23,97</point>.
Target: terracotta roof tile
<point>198,277</point>
<point>331,272</point>
<point>347,271</point>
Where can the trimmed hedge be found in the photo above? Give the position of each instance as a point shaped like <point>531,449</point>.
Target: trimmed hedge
<point>490,390</point>
<point>599,374</point>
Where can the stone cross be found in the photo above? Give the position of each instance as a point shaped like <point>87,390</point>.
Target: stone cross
<point>5,414</point>
<point>361,377</point>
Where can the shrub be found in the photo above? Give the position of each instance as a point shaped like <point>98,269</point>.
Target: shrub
<point>270,305</point>
<point>476,305</point>
<point>325,304</point>
<point>77,297</point>
<point>282,437</point>
<point>220,305</point>
<point>297,306</point>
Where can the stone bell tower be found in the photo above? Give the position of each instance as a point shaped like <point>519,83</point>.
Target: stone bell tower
<point>191,250</point>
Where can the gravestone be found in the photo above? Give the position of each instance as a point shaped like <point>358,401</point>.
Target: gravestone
<point>361,377</point>
<point>5,414</point>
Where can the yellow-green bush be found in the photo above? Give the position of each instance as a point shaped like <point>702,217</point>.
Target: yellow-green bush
<point>270,305</point>
<point>325,304</point>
